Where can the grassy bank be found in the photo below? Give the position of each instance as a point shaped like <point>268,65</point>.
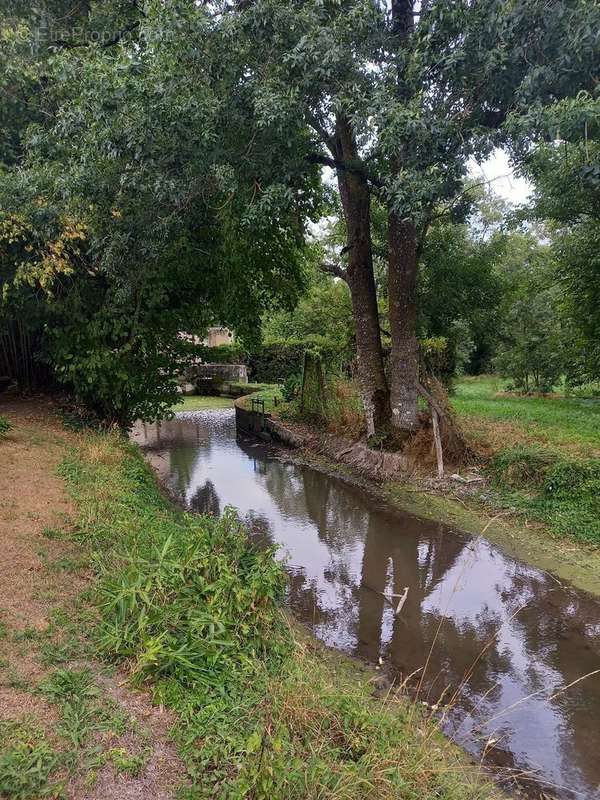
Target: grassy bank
<point>540,455</point>
<point>497,419</point>
<point>202,403</point>
<point>270,396</point>
<point>263,711</point>
<point>190,614</point>
<point>230,392</point>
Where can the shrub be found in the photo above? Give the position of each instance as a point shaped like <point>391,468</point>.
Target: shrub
<point>291,388</point>
<point>276,362</point>
<point>312,397</point>
<point>5,426</point>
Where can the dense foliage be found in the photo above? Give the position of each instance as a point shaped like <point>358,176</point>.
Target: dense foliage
<point>160,165</point>
<point>566,176</point>
<point>150,225</point>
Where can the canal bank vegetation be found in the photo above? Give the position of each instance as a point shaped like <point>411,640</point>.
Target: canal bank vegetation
<point>189,610</point>
<point>535,459</point>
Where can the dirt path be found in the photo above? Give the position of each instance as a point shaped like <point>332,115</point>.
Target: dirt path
<point>77,726</point>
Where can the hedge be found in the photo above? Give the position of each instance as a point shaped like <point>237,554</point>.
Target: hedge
<point>275,362</point>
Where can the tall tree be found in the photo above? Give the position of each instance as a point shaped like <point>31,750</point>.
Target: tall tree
<point>186,210</point>
<point>398,98</point>
<point>565,171</point>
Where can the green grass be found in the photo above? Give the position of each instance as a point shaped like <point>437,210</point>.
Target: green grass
<point>264,711</point>
<point>201,403</point>
<point>543,454</point>
<point>208,403</point>
<point>5,427</point>
<point>124,761</point>
<point>560,421</point>
<point>562,492</point>
<point>271,395</point>
<point>27,762</point>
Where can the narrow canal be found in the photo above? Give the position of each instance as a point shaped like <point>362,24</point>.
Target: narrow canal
<point>504,645</point>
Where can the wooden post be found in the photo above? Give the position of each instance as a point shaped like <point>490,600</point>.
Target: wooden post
<point>438,442</point>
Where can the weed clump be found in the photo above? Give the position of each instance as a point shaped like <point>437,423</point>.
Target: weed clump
<point>521,467</point>
<point>5,427</point>
<point>27,762</point>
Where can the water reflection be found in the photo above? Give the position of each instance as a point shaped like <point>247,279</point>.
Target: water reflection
<point>499,638</point>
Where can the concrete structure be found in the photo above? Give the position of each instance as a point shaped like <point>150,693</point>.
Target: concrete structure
<point>211,378</point>
<point>217,336</point>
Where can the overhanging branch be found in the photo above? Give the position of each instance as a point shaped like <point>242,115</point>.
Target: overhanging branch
<point>333,269</point>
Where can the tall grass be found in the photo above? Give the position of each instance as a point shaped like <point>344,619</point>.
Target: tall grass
<point>562,492</point>
<point>192,608</point>
<point>180,596</point>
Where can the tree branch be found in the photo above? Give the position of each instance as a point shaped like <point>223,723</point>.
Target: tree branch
<point>319,128</point>
<point>336,163</point>
<point>333,269</point>
<point>431,400</point>
<point>63,44</point>
<point>422,236</point>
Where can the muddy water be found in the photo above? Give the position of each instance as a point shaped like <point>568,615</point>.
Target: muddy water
<point>499,638</point>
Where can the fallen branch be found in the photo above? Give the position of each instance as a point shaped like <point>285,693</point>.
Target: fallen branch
<point>433,403</point>
<point>399,605</point>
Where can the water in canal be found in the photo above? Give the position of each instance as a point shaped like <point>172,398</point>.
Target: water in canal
<point>508,637</point>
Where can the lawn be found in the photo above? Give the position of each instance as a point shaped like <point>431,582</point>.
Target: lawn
<point>542,454</point>
<point>267,391</point>
<point>202,403</point>
<point>569,423</point>
<point>270,395</point>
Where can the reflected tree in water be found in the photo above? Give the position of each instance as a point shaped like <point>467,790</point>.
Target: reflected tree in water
<point>206,500</point>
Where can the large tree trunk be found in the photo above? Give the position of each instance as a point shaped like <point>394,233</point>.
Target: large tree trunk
<point>403,312</point>
<point>402,271</point>
<point>356,203</point>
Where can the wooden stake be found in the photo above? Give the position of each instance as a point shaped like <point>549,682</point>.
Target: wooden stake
<point>438,442</point>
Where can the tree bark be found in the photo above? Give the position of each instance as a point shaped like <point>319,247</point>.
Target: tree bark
<point>403,270</point>
<point>403,313</point>
<point>356,202</point>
